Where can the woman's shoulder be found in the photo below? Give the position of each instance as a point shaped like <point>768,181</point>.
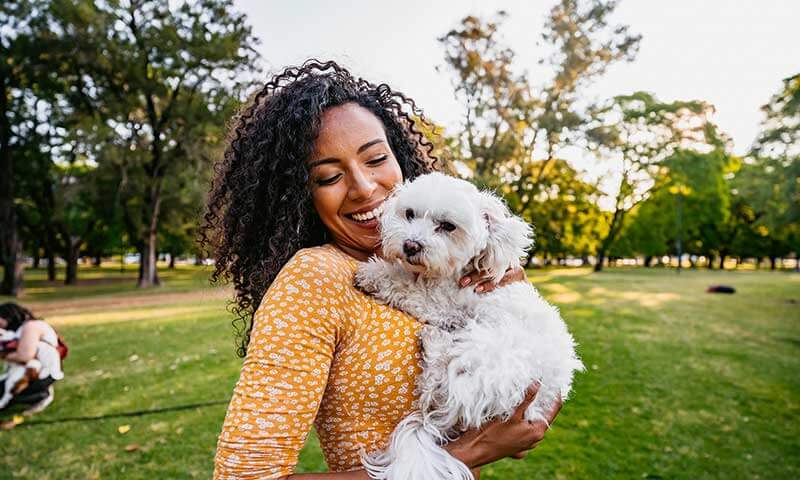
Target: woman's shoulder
<point>325,262</point>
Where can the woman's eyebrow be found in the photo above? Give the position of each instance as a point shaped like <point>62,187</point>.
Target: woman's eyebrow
<point>369,144</point>
<point>324,161</point>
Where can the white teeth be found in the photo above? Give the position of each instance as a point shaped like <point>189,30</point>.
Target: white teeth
<point>363,217</point>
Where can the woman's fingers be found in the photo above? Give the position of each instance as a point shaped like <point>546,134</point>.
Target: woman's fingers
<point>472,278</point>
<point>529,396</point>
<point>551,415</point>
<point>483,283</point>
<point>513,275</point>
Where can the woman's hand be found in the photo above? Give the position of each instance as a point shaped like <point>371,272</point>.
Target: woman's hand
<point>484,283</point>
<point>497,439</point>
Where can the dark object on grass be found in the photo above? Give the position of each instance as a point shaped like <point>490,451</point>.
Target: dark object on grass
<point>35,392</point>
<point>720,289</point>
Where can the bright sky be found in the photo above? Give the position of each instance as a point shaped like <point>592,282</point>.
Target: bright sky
<point>730,53</point>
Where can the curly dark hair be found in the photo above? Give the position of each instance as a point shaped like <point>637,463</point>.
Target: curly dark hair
<point>259,210</point>
<point>15,315</point>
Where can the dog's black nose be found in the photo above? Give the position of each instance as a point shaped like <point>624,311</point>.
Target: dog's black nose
<point>411,247</point>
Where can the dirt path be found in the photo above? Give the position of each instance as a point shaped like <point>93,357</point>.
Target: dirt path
<point>63,307</point>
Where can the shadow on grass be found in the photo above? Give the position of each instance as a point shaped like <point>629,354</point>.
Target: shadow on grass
<point>135,413</point>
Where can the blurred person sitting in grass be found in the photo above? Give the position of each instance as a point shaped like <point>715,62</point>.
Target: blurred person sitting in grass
<point>36,339</point>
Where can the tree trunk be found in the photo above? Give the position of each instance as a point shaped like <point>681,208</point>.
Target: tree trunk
<point>613,230</point>
<point>171,261</point>
<point>148,272</point>
<point>48,252</point>
<point>98,260</point>
<point>72,249</point>
<point>722,261</point>
<point>13,270</point>
<point>648,261</point>
<point>601,257</point>
<point>710,262</point>
<point>36,255</point>
<point>772,261</point>
<point>10,245</point>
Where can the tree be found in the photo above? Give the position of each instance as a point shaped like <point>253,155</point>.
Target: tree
<point>688,202</point>
<point>506,121</point>
<point>769,188</point>
<point>163,77</point>
<point>564,211</point>
<point>776,156</point>
<point>637,133</point>
<point>22,78</point>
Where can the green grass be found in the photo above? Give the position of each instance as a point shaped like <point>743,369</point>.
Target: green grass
<point>680,383</point>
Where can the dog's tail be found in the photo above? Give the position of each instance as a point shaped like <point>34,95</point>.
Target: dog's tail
<point>414,453</point>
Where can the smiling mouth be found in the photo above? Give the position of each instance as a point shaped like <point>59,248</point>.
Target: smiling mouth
<point>366,217</point>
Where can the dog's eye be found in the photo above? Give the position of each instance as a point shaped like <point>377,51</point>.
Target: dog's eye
<point>446,226</point>
<point>409,214</point>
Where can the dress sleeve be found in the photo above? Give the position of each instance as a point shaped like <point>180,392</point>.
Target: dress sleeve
<point>284,374</point>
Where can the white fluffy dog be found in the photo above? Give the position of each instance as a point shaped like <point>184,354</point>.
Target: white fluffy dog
<point>481,351</point>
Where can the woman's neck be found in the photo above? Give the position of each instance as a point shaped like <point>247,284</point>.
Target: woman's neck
<point>354,253</point>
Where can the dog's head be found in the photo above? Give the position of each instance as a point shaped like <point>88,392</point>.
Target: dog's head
<point>439,225</point>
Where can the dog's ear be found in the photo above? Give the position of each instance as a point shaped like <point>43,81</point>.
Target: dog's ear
<point>508,240</point>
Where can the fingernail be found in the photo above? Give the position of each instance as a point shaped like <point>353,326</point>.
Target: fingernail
<point>479,289</point>
<point>465,282</point>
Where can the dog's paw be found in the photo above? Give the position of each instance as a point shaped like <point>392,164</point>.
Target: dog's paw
<point>370,275</point>
<point>365,282</point>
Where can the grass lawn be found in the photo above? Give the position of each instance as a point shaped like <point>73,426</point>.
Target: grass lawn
<point>680,383</point>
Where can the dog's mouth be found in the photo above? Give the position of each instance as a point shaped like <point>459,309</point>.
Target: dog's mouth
<point>414,260</point>
<point>415,264</point>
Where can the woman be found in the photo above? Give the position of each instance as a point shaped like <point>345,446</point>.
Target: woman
<point>292,211</point>
<point>37,339</point>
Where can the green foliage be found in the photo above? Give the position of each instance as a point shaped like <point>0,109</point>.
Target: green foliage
<point>772,185</point>
<point>563,210</point>
<point>647,140</point>
<point>508,122</point>
<point>690,199</point>
<point>139,92</point>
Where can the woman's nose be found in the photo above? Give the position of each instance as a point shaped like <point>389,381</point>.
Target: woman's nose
<point>362,185</point>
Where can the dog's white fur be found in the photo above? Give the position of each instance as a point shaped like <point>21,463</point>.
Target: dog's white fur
<point>481,351</point>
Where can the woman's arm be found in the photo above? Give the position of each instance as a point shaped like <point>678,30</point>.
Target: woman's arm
<point>284,375</point>
<point>30,333</point>
<point>496,440</point>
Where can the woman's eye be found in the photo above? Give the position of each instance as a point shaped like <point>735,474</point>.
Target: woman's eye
<point>447,226</point>
<point>378,161</point>
<point>328,181</point>
<point>409,214</point>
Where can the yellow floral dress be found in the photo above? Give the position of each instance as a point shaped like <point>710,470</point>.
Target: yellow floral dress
<point>321,353</point>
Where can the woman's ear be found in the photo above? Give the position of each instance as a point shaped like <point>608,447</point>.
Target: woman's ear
<point>509,237</point>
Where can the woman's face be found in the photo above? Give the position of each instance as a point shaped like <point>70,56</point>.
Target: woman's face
<point>352,170</point>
